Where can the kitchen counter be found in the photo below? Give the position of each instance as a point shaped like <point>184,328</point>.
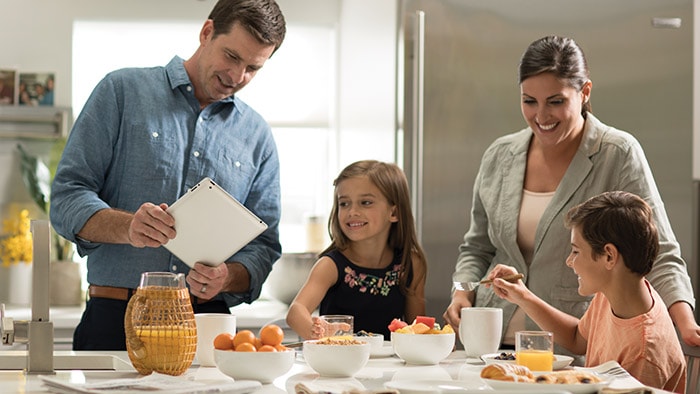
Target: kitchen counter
<point>373,376</point>
<point>66,318</point>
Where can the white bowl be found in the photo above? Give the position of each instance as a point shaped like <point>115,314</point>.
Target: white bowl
<point>423,349</point>
<point>376,341</point>
<point>336,360</point>
<point>261,366</point>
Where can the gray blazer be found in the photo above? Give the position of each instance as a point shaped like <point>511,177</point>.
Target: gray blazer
<point>608,159</point>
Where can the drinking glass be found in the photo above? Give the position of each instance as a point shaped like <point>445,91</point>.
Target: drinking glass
<point>534,349</point>
<point>338,325</point>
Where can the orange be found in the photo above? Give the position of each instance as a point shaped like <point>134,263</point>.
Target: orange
<point>224,341</point>
<point>267,348</point>
<point>258,343</point>
<point>246,347</point>
<point>281,348</point>
<point>271,334</point>
<point>243,336</point>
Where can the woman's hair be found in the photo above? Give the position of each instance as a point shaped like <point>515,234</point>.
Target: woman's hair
<point>560,56</point>
<point>391,182</point>
<point>262,18</point>
<point>622,219</point>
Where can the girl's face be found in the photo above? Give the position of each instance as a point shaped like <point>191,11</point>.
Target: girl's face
<point>363,211</point>
<point>552,109</point>
<point>591,271</point>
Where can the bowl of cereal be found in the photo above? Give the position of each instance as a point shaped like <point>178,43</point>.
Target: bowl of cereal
<point>332,357</point>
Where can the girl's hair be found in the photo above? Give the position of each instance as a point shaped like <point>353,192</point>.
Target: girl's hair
<point>622,219</point>
<point>391,182</point>
<point>262,18</point>
<point>560,56</point>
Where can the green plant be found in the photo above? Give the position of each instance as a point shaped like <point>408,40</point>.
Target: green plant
<point>37,177</point>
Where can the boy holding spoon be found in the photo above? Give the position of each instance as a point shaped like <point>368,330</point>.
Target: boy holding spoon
<point>614,242</point>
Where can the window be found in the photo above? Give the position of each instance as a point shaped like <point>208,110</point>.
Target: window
<point>295,92</point>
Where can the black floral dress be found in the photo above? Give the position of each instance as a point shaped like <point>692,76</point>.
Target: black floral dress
<point>372,296</point>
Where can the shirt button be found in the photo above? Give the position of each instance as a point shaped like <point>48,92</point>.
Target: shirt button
<point>155,134</point>
<point>189,88</point>
<point>196,154</point>
<point>237,164</point>
<point>174,267</point>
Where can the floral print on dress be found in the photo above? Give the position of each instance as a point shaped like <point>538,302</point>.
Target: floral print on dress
<point>374,284</point>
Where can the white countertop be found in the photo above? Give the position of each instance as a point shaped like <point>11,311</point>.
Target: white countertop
<point>256,314</point>
<point>373,376</point>
<point>66,318</point>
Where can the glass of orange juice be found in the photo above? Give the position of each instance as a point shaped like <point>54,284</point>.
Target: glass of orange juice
<point>534,349</point>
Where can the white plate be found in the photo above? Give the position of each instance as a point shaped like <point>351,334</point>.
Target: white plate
<point>560,361</point>
<point>581,388</point>
<point>386,351</point>
<point>435,386</point>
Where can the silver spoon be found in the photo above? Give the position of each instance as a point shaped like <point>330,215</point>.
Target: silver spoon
<point>469,286</point>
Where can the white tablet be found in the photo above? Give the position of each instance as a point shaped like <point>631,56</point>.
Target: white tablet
<point>211,225</point>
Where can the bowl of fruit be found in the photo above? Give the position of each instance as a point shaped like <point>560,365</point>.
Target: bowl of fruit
<point>423,342</point>
<point>244,356</point>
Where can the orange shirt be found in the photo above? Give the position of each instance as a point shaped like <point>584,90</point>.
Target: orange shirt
<point>646,345</point>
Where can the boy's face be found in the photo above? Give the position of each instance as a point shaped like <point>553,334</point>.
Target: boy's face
<point>591,271</point>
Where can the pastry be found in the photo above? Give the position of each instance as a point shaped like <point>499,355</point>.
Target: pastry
<point>507,372</point>
<point>567,377</point>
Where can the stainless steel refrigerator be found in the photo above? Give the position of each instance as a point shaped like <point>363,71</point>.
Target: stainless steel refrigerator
<point>458,91</point>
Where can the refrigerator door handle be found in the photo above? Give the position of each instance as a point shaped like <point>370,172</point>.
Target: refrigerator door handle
<point>415,60</point>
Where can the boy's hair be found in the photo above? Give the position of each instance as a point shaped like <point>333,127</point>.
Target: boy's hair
<point>391,182</point>
<point>622,219</point>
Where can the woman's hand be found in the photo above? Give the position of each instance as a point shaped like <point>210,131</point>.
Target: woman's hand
<point>460,299</point>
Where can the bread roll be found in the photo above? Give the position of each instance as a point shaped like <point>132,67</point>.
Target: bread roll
<point>507,372</point>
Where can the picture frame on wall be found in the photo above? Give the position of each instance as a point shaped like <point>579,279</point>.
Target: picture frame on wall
<point>8,86</point>
<point>36,88</point>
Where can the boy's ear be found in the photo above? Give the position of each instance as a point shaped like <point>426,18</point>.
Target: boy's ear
<point>611,255</point>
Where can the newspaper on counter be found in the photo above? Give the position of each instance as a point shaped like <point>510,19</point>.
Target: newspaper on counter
<point>154,382</point>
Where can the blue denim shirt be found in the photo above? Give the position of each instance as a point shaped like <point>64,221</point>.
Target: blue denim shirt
<point>142,137</point>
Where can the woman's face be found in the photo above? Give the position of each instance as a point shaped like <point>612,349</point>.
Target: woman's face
<point>552,109</point>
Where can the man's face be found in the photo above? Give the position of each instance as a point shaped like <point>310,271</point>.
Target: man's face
<point>227,62</point>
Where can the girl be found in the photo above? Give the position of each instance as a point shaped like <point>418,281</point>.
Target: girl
<point>374,268</point>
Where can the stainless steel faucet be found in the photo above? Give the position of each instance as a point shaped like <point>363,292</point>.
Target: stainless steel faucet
<point>37,333</point>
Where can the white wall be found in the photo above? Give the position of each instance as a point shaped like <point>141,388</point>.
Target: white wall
<point>37,36</point>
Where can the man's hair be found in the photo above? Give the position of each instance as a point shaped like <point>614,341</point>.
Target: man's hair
<point>622,219</point>
<point>262,18</point>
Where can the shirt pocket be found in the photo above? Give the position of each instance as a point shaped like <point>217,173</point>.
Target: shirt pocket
<point>235,172</point>
<point>150,157</point>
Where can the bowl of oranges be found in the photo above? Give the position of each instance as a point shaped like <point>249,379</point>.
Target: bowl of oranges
<point>244,355</point>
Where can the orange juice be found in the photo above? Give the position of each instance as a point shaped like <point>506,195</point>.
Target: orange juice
<point>536,360</point>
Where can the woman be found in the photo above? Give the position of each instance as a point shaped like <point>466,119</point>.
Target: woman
<point>528,180</point>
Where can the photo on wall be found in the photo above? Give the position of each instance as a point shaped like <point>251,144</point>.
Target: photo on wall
<point>36,88</point>
<point>8,84</point>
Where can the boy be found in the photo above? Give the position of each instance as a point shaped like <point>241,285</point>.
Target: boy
<point>614,242</point>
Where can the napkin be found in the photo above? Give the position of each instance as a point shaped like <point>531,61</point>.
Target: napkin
<point>310,388</point>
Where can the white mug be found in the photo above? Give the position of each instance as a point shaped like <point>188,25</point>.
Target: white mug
<point>209,325</point>
<point>480,330</point>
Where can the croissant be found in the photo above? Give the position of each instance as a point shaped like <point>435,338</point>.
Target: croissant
<point>507,372</point>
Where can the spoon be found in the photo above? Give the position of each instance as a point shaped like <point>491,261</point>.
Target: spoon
<point>469,286</point>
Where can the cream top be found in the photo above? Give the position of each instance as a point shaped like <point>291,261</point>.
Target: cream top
<point>532,207</point>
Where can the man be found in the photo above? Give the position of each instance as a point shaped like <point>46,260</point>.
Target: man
<point>147,135</point>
